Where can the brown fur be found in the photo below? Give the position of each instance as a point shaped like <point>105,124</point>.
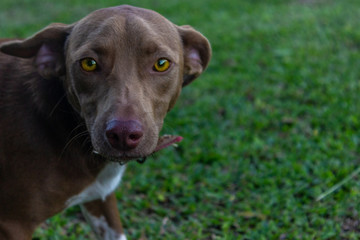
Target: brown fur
<point>53,114</point>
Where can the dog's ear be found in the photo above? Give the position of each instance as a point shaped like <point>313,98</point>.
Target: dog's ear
<point>47,48</point>
<point>197,53</point>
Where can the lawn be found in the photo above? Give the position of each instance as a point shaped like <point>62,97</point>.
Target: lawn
<point>270,126</point>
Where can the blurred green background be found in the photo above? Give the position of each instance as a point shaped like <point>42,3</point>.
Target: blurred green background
<point>271,125</point>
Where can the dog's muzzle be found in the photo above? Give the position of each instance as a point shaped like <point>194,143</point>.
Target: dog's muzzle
<point>163,142</point>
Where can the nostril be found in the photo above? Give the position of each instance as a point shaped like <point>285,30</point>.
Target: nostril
<point>135,136</point>
<point>124,135</point>
<point>133,139</point>
<point>112,135</point>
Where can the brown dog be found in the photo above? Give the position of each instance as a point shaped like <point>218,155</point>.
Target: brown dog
<point>77,102</point>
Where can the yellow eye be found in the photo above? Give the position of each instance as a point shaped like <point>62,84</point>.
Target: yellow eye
<point>88,64</point>
<point>161,65</point>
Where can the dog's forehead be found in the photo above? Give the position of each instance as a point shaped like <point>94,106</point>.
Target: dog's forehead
<point>131,10</point>
<point>125,22</point>
<point>127,11</point>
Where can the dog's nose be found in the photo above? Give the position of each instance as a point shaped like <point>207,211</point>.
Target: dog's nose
<point>124,135</point>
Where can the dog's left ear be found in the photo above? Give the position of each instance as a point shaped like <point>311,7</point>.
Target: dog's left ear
<point>197,53</point>
<point>47,48</point>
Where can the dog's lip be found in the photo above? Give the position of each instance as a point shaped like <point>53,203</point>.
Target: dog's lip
<point>166,141</point>
<point>163,142</point>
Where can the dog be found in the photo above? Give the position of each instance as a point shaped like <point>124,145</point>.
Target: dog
<point>80,101</point>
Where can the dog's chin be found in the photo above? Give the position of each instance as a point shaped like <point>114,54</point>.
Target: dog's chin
<point>123,157</point>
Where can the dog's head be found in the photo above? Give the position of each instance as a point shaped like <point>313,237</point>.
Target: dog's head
<point>123,69</point>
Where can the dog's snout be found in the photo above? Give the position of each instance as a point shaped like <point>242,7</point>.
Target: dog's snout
<point>124,135</point>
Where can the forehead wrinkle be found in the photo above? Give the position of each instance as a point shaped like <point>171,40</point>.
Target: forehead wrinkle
<point>100,32</point>
<point>149,37</point>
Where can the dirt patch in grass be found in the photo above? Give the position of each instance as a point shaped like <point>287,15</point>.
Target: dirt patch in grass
<point>351,225</point>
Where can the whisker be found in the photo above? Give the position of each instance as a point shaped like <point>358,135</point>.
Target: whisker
<point>56,105</point>
<point>84,133</point>
<point>77,127</point>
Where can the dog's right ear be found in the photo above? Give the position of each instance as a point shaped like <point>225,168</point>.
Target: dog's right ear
<point>47,48</point>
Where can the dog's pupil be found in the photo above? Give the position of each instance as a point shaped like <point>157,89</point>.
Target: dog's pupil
<point>162,62</point>
<point>91,62</point>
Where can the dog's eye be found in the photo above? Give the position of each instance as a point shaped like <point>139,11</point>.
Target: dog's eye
<point>88,64</point>
<point>161,65</point>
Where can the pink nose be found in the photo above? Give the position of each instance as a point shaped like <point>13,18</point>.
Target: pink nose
<point>124,135</point>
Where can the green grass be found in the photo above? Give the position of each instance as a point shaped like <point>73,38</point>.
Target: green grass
<point>271,125</point>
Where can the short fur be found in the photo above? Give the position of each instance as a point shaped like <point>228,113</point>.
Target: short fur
<point>54,115</point>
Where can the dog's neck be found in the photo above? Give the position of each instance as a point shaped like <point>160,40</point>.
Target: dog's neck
<point>49,104</point>
<point>49,98</point>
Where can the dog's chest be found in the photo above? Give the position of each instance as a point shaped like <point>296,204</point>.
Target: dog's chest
<point>105,183</point>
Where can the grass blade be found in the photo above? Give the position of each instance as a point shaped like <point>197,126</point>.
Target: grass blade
<point>338,185</point>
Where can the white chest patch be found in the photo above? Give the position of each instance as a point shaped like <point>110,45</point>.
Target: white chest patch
<point>105,183</point>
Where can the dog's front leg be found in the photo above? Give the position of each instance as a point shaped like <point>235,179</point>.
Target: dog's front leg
<point>103,216</point>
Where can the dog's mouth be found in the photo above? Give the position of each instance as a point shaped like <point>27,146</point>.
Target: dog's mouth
<point>163,142</point>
